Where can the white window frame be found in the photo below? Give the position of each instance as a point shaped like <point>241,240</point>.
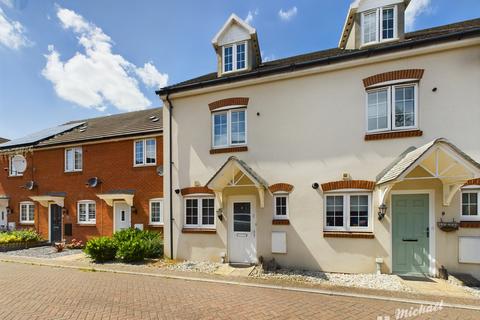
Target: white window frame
<point>28,204</point>
<point>144,143</point>
<point>11,172</point>
<point>229,127</point>
<point>470,218</point>
<point>346,212</point>
<point>379,25</point>
<point>87,204</point>
<point>280,195</point>
<point>74,169</point>
<point>391,107</point>
<point>234,56</point>
<point>162,215</point>
<point>199,199</point>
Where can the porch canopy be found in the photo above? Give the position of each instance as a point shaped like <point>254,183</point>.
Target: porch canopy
<point>235,173</point>
<point>55,197</point>
<point>440,159</point>
<point>4,200</point>
<point>117,195</point>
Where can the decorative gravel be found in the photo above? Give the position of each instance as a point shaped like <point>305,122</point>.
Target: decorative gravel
<point>371,281</point>
<point>475,291</point>
<point>193,266</point>
<point>45,252</point>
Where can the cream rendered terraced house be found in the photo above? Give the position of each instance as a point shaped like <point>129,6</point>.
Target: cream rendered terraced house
<point>336,160</point>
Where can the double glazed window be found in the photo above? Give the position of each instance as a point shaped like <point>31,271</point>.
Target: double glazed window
<point>280,206</point>
<point>392,108</point>
<point>27,212</point>
<point>378,25</point>
<point>235,57</point>
<point>471,205</point>
<point>156,212</point>
<point>229,128</point>
<point>200,212</point>
<point>87,212</point>
<point>145,152</point>
<point>11,170</point>
<point>347,212</point>
<point>73,159</point>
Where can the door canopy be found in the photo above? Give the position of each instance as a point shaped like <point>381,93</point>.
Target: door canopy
<point>440,159</point>
<point>57,198</point>
<point>117,195</point>
<point>236,173</point>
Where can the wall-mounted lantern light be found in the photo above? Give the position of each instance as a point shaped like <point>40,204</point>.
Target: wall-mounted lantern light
<point>220,214</point>
<point>382,210</point>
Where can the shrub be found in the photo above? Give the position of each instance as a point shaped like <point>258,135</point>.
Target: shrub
<point>127,235</point>
<point>153,244</point>
<point>75,244</point>
<point>19,236</point>
<point>101,249</point>
<point>59,246</point>
<point>132,250</point>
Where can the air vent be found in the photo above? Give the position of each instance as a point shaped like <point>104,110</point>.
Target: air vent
<point>154,119</point>
<point>82,128</point>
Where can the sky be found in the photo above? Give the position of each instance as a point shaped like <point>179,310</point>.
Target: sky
<point>71,60</point>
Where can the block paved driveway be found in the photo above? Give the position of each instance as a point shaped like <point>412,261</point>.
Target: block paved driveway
<point>36,292</point>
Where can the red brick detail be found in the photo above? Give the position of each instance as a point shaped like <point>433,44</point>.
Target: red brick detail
<point>469,224</point>
<point>348,184</point>
<point>229,150</point>
<point>473,182</point>
<point>282,222</point>
<point>393,135</point>
<point>341,234</point>
<point>238,101</point>
<point>199,230</point>
<point>196,190</point>
<point>285,187</point>
<point>393,75</point>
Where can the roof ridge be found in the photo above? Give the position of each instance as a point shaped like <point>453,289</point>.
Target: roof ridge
<point>113,115</point>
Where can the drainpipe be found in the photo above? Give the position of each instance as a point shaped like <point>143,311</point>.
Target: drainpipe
<point>170,165</point>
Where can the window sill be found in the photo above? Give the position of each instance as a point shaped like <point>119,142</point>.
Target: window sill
<point>27,223</point>
<point>229,150</point>
<point>84,224</point>
<point>75,171</point>
<point>199,230</point>
<point>14,177</point>
<point>280,222</point>
<point>156,225</point>
<point>144,165</point>
<point>347,234</point>
<point>469,224</point>
<point>393,135</point>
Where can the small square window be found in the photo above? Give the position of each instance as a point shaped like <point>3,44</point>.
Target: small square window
<point>86,212</point>
<point>470,205</point>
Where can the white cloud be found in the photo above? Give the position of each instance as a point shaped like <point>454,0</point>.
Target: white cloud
<point>416,8</point>
<point>287,15</point>
<point>12,33</point>
<point>98,76</point>
<point>267,57</point>
<point>251,15</point>
<point>8,3</point>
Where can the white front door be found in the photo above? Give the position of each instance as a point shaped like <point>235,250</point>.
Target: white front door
<point>3,218</point>
<point>122,219</point>
<point>242,240</point>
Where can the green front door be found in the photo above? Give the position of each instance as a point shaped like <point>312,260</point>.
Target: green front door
<point>410,234</point>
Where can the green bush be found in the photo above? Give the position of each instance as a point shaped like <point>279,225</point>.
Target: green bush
<point>101,249</point>
<point>127,235</point>
<point>153,244</point>
<point>131,251</point>
<point>19,236</point>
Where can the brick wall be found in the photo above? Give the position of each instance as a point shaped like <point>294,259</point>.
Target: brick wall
<point>112,162</point>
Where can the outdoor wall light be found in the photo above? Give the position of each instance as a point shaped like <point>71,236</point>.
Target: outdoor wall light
<point>9,210</point>
<point>134,210</point>
<point>220,214</point>
<point>177,191</point>
<point>65,211</point>
<point>382,210</point>
<point>315,185</point>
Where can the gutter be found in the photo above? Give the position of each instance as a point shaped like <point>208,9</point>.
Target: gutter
<point>170,165</point>
<point>322,61</point>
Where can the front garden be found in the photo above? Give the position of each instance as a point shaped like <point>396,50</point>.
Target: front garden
<point>18,239</point>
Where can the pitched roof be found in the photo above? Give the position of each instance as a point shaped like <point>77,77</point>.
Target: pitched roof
<point>118,125</point>
<point>449,32</point>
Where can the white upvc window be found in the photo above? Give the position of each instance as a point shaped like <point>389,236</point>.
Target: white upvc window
<point>27,212</point>
<point>348,212</point>
<point>235,57</point>
<point>145,152</point>
<point>392,108</point>
<point>73,159</point>
<point>11,170</point>
<point>470,205</point>
<point>379,24</point>
<point>200,212</point>
<point>229,128</point>
<point>280,206</point>
<point>156,212</point>
<point>86,212</point>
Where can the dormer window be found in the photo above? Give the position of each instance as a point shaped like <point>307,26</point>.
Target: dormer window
<point>235,57</point>
<point>379,25</point>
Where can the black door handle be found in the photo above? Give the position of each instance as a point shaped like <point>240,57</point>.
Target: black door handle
<point>409,240</point>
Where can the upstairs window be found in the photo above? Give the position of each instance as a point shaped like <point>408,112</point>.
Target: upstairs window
<point>11,170</point>
<point>379,24</point>
<point>392,108</point>
<point>235,57</point>
<point>229,128</point>
<point>471,205</point>
<point>73,159</point>
<point>145,152</point>
<point>27,212</point>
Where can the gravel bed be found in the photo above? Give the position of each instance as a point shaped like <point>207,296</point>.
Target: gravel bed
<point>45,252</point>
<point>193,266</point>
<point>371,281</point>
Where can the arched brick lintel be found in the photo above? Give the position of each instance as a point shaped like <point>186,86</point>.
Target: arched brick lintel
<point>280,187</point>
<point>348,184</point>
<point>237,101</point>
<point>196,190</point>
<point>393,75</point>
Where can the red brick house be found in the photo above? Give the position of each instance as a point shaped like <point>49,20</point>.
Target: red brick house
<point>86,178</point>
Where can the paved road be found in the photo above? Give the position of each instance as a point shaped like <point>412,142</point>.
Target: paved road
<point>35,292</point>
